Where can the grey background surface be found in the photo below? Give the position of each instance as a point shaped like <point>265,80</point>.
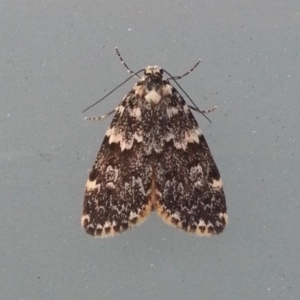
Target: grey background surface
<point>57,58</point>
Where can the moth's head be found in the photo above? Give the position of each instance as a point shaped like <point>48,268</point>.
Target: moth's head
<point>153,71</point>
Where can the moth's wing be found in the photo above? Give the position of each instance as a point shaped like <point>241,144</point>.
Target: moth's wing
<point>189,190</point>
<point>117,194</point>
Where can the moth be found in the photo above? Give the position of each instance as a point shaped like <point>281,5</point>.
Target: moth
<point>154,157</point>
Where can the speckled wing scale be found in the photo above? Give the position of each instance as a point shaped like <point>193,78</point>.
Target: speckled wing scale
<point>154,156</point>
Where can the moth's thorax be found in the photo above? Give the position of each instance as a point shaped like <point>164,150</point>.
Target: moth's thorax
<point>152,87</point>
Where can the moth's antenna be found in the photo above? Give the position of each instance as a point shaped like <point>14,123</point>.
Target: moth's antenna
<point>203,111</point>
<point>187,73</point>
<point>113,90</point>
<point>124,64</point>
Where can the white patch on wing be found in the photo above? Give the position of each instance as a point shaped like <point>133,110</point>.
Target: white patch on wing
<point>175,216</point>
<point>99,226</point>
<point>110,186</point>
<point>198,184</point>
<point>223,216</point>
<point>186,109</point>
<point>202,229</point>
<point>217,184</point>
<point>133,215</point>
<point>118,137</point>
<point>171,111</point>
<point>107,224</point>
<point>136,113</point>
<point>158,193</point>
<point>167,89</point>
<point>138,91</point>
<point>201,223</point>
<point>153,96</point>
<point>169,136</point>
<point>190,137</point>
<point>193,135</point>
<point>120,109</point>
<point>91,185</point>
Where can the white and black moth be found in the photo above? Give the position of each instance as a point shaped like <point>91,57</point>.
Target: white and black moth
<point>154,156</point>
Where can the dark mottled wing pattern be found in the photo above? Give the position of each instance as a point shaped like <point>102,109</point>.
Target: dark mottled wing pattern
<point>117,194</point>
<point>189,188</point>
<point>154,156</point>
